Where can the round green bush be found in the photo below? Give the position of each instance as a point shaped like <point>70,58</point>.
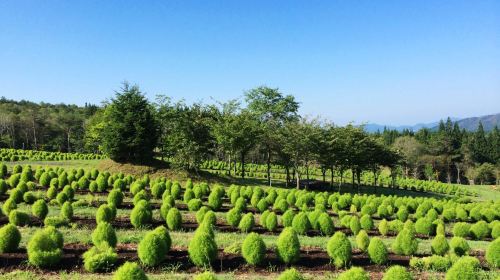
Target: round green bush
<point>461,229</point>
<point>247,223</point>
<point>291,274</point>
<point>115,197</point>
<point>480,230</point>
<point>201,213</point>
<point>16,195</point>
<point>51,193</point>
<point>397,272</point>
<point>104,214</point>
<point>55,221</point>
<point>207,275</point>
<point>449,214</point>
<point>325,224</point>
<point>383,227</point>
<point>263,217</point>
<point>423,226</point>
<point>492,253</point>
<point>202,249</point>
<point>104,234</point>
<point>174,219</point>
<point>272,222</point>
<point>439,245</point>
<point>495,231</point>
<point>129,271</point>
<point>55,235</point>
<point>158,189</point>
<point>287,218</point>
<point>67,210</point>
<point>339,249</point>
<point>366,222</point>
<point>377,251</point>
<point>459,246</point>
<point>215,199</point>
<point>61,198</point>
<point>194,204</point>
<point>253,249</point>
<point>19,218</point>
<point>152,249</point>
<point>10,237</point>
<point>288,246</point>
<point>233,217</point>
<point>188,195</point>
<point>362,240</point>
<point>355,273</point>
<point>465,268</point>
<point>301,223</point>
<point>45,179</point>
<point>43,251</point>
<point>402,214</point>
<point>141,216</point>
<point>405,243</point>
<point>210,218</point>
<point>354,225</point>
<point>99,259</point>
<point>29,197</point>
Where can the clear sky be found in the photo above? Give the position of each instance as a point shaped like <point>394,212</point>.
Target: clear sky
<point>390,62</point>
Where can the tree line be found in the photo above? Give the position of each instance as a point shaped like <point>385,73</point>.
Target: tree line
<point>264,128</point>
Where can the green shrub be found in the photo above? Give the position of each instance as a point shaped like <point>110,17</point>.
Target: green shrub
<point>247,222</point>
<point>104,214</point>
<point>325,224</point>
<point>354,225</point>
<point>99,259</point>
<point>439,245</point>
<point>449,214</point>
<point>16,195</point>
<point>55,221</point>
<point>291,274</point>
<point>271,222</point>
<point>495,231</point>
<point>202,249</point>
<point>383,227</point>
<point>339,249</point>
<point>233,217</point>
<point>313,218</point>
<point>253,249</point>
<point>210,218</point>
<point>67,210</point>
<point>207,275</point>
<point>158,189</point>
<point>492,253</point>
<point>288,246</point>
<point>43,251</point>
<point>104,234</point>
<point>174,219</point>
<point>215,199</point>
<point>61,198</point>
<point>129,271</point>
<point>115,197</point>
<point>194,204</point>
<point>10,237</point>
<point>362,240</point>
<point>405,243</point>
<point>355,273</point>
<point>466,268</point>
<point>459,246</point>
<point>397,272</point>
<point>287,218</point>
<point>19,218</point>
<point>402,214</point>
<point>52,193</point>
<point>8,206</point>
<point>423,226</point>
<point>461,229</point>
<point>153,248</point>
<point>479,230</point>
<point>377,251</point>
<point>301,223</point>
<point>201,213</point>
<point>366,222</point>
<point>433,263</point>
<point>141,215</point>
<point>29,197</point>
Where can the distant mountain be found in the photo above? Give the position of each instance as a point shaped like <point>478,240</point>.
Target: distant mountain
<point>469,124</point>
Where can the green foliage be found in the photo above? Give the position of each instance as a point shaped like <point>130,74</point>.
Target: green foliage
<point>253,249</point>
<point>10,237</point>
<point>194,204</point>
<point>459,246</point>
<point>325,224</point>
<point>115,197</point>
<point>141,215</point>
<point>287,218</point>
<point>19,218</point>
<point>104,234</point>
<point>480,230</point>
<point>154,246</point>
<point>247,222</point>
<point>207,275</point>
<point>288,246</point>
<point>339,249</point>
<point>355,273</point>
<point>466,268</point>
<point>362,240</point>
<point>366,222</point>
<point>271,221</point>
<point>202,249</point>
<point>8,206</point>
<point>354,225</point>
<point>397,272</point>
<point>301,223</point>
<point>55,221</point>
<point>104,214</point>
<point>67,210</point>
<point>423,226</point>
<point>174,219</point>
<point>439,245</point>
<point>43,250</point>
<point>492,253</point>
<point>383,227</point>
<point>405,243</point>
<point>158,189</point>
<point>291,274</point>
<point>129,271</point>
<point>377,251</point>
<point>233,217</point>
<point>461,229</point>
<point>130,130</point>
<point>99,259</point>
<point>434,263</point>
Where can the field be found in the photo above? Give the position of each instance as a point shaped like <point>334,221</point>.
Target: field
<point>83,195</point>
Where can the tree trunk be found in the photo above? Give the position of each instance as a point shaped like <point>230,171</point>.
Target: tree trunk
<point>269,167</point>
<point>458,174</point>
<point>297,177</point>
<point>331,177</point>
<point>358,174</point>
<point>323,171</point>
<point>229,169</point>
<point>243,165</point>
<point>287,176</point>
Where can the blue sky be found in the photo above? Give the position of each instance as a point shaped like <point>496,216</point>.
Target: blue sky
<point>389,62</point>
